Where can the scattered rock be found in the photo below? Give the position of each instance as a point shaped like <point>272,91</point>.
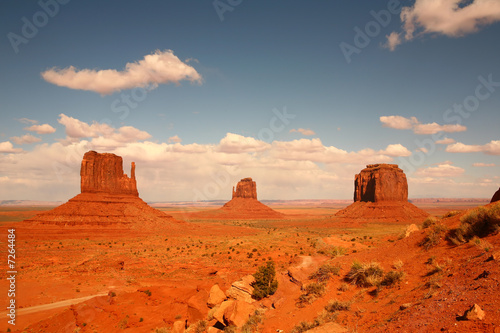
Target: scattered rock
<point>496,196</point>
<point>179,326</point>
<point>474,313</point>
<point>216,296</point>
<point>328,328</point>
<point>212,329</point>
<point>411,228</point>
<point>239,313</point>
<point>197,305</point>
<point>242,289</point>
<point>381,182</point>
<point>221,309</point>
<point>405,306</point>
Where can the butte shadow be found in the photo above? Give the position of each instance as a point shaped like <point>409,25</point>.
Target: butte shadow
<point>381,195</point>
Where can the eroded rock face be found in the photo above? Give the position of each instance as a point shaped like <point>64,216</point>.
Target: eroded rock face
<point>103,173</point>
<point>246,188</point>
<point>496,196</point>
<point>381,182</point>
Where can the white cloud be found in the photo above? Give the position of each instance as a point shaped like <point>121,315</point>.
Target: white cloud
<point>7,147</point>
<point>41,129</point>
<point>445,141</point>
<point>235,144</point>
<point>157,68</point>
<point>483,164</point>
<point>25,139</point>
<point>28,121</point>
<point>442,170</point>
<point>393,40</point>
<point>303,131</point>
<point>399,122</point>
<point>396,150</point>
<point>491,148</point>
<point>452,18</point>
<point>174,139</point>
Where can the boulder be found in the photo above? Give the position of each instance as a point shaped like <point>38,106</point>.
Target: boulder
<point>216,296</point>
<point>197,306</point>
<point>239,313</point>
<point>380,182</point>
<point>221,309</point>
<point>246,188</point>
<point>474,313</point>
<point>242,289</point>
<point>103,173</point>
<point>179,326</point>
<point>411,228</point>
<point>496,196</point>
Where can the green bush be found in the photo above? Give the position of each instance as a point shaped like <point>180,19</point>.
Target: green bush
<point>365,274</point>
<point>265,281</point>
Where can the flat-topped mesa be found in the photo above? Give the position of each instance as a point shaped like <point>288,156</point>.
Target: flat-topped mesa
<point>103,173</point>
<point>381,182</point>
<point>246,188</point>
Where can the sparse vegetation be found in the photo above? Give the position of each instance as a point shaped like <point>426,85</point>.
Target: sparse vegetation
<point>252,323</point>
<point>336,305</point>
<point>479,222</point>
<point>365,274</point>
<point>392,278</point>
<point>429,221</point>
<point>265,281</point>
<point>451,213</point>
<point>325,272</point>
<point>311,292</point>
<point>433,236</point>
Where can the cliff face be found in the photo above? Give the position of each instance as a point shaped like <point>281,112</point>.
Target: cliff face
<point>381,182</point>
<point>103,173</point>
<point>496,196</point>
<point>246,188</point>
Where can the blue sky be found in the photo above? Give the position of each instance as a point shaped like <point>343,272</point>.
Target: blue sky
<point>299,95</point>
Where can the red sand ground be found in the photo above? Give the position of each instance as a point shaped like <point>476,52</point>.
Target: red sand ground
<point>179,265</point>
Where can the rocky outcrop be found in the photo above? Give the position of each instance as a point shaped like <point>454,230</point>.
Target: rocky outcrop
<point>108,198</point>
<point>103,173</point>
<point>496,196</point>
<point>381,195</point>
<point>246,188</point>
<point>381,182</point>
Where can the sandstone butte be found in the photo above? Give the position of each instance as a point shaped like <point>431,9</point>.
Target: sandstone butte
<point>496,196</point>
<point>108,198</point>
<point>381,194</point>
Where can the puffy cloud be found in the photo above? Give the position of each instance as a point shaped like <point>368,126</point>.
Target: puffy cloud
<point>483,164</point>
<point>399,122</point>
<point>41,129</point>
<point>174,139</point>
<point>452,18</point>
<point>442,170</point>
<point>235,144</point>
<point>445,141</point>
<point>491,148</point>
<point>7,147</point>
<point>303,131</point>
<point>396,150</point>
<point>25,139</point>
<point>160,67</point>
<point>393,40</point>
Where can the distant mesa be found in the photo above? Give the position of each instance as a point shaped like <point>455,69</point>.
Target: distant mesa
<point>246,188</point>
<point>496,196</point>
<point>381,194</point>
<point>108,198</point>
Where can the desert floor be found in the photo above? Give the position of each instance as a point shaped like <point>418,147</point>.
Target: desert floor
<point>74,279</point>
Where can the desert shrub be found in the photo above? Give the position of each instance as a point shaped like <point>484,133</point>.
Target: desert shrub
<point>398,264</point>
<point>336,305</point>
<point>311,292</point>
<point>392,277</point>
<point>479,222</point>
<point>265,281</point>
<point>200,326</point>
<point>252,323</point>
<point>433,236</point>
<point>343,287</point>
<point>230,329</point>
<point>304,326</point>
<point>436,268</point>
<point>325,272</point>
<point>365,274</point>
<point>333,251</point>
<point>162,330</point>
<point>429,221</point>
<point>451,213</point>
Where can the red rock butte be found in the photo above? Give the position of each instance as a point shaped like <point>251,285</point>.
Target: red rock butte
<point>381,194</point>
<point>108,198</point>
<point>496,196</point>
